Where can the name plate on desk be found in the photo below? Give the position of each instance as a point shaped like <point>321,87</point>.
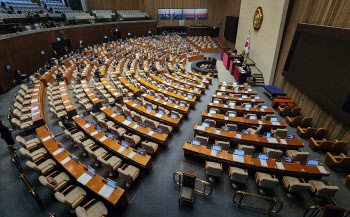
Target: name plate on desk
<point>34,100</point>
<point>275,123</point>
<point>226,118</point>
<point>260,122</point>
<point>103,138</point>
<point>164,103</point>
<point>35,108</point>
<point>36,113</point>
<point>133,105</point>
<point>322,169</point>
<point>150,133</point>
<point>263,163</point>
<point>84,178</point>
<point>64,161</point>
<point>131,155</point>
<point>95,99</point>
<point>156,100</point>
<point>213,153</point>
<point>238,158</point>
<point>69,106</point>
<point>262,110</point>
<point>280,165</point>
<point>201,128</point>
<point>90,94</point>
<point>238,136</point>
<point>46,138</point>
<point>113,115</point>
<point>159,115</point>
<point>64,94</point>
<point>121,149</point>
<point>126,122</point>
<point>106,191</point>
<point>225,106</point>
<point>209,114</point>
<point>66,101</point>
<point>176,106</point>
<point>283,141</point>
<point>94,133</point>
<point>57,151</point>
<point>217,132</point>
<point>135,126</point>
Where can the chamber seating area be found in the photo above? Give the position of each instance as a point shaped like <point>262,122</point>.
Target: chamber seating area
<point>132,14</point>
<point>103,14</point>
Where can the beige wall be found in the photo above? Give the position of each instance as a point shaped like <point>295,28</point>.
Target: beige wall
<point>264,43</point>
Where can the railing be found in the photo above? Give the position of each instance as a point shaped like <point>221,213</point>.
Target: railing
<point>206,187</point>
<point>52,215</point>
<point>315,210</point>
<point>270,210</point>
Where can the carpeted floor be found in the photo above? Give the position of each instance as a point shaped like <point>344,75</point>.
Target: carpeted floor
<point>155,194</point>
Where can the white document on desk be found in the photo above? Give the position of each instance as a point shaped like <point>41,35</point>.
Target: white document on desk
<point>103,138</point>
<point>201,128</point>
<point>272,140</point>
<point>263,163</point>
<point>113,115</point>
<point>159,115</point>
<point>238,136</point>
<point>283,141</point>
<point>275,123</point>
<point>133,105</point>
<point>86,125</point>
<point>225,106</point>
<point>238,158</point>
<point>135,126</point>
<point>176,106</point>
<point>150,133</point>
<point>64,161</point>
<point>280,165</point>
<point>126,122</point>
<point>93,133</point>
<point>35,108</point>
<point>57,151</point>
<point>209,114</point>
<point>106,191</point>
<point>260,122</point>
<point>95,99</point>
<point>217,132</point>
<point>69,106</point>
<point>66,101</point>
<point>226,118</point>
<point>35,100</point>
<point>131,155</point>
<point>84,178</point>
<point>322,169</point>
<point>121,149</point>
<point>36,113</point>
<point>46,138</point>
<point>262,110</point>
<point>213,153</point>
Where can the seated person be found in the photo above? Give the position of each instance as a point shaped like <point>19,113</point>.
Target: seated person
<point>59,75</point>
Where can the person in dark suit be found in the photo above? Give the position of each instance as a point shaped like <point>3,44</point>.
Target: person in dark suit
<point>68,125</point>
<point>6,134</point>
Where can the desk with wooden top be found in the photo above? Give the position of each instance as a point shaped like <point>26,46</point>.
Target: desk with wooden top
<point>208,78</point>
<point>237,99</point>
<point>202,88</point>
<point>248,162</point>
<point>233,85</point>
<point>206,82</point>
<point>92,96</point>
<point>239,109</point>
<point>67,103</point>
<point>190,101</point>
<point>170,106</point>
<point>131,87</point>
<point>222,119</point>
<point>38,105</point>
<point>134,127</point>
<point>174,123</point>
<point>249,93</point>
<point>276,102</point>
<point>47,77</point>
<point>112,91</point>
<point>76,170</point>
<point>115,146</point>
<point>86,74</point>
<point>68,75</point>
<point>252,139</point>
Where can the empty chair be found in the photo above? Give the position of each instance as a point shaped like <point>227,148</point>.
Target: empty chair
<point>138,118</point>
<point>55,180</point>
<point>265,181</point>
<point>213,169</point>
<point>74,135</point>
<point>295,111</point>
<point>33,155</point>
<point>255,130</point>
<point>96,116</point>
<point>223,144</point>
<point>166,129</point>
<point>217,111</point>
<point>268,117</point>
<point>30,143</point>
<point>129,173</point>
<point>280,133</point>
<point>178,115</point>
<point>248,116</point>
<point>21,126</point>
<point>82,145</point>
<point>41,165</point>
<point>95,208</point>
<point>151,124</point>
<point>321,133</point>
<point>232,127</point>
<point>148,104</point>
<point>104,123</point>
<point>231,114</point>
<point>117,132</point>
<point>284,111</point>
<point>320,145</point>
<point>132,139</point>
<point>306,122</point>
<point>203,140</point>
<point>321,189</point>
<point>248,149</point>
<point>94,151</point>
<point>238,175</point>
<point>58,114</point>
<point>341,161</point>
<point>338,146</point>
<point>212,123</point>
<point>300,156</point>
<point>21,108</point>
<point>119,108</point>
<point>273,153</point>
<point>188,183</point>
<point>110,162</point>
<point>149,147</point>
<point>306,132</point>
<point>294,122</point>
<point>294,186</point>
<point>21,116</point>
<point>166,112</point>
<point>72,196</point>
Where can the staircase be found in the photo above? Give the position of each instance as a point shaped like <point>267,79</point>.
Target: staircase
<point>259,78</point>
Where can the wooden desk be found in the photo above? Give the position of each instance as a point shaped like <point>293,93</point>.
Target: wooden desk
<point>175,123</point>
<point>206,82</point>
<point>231,86</point>
<point>249,93</point>
<point>47,77</point>
<point>239,100</point>
<point>38,105</point>
<point>93,98</point>
<point>222,119</point>
<point>292,169</point>
<point>147,132</point>
<point>68,75</point>
<point>180,80</point>
<point>131,87</point>
<point>95,184</point>
<point>178,97</point>
<point>239,109</point>
<point>86,74</point>
<point>195,57</point>
<point>170,106</point>
<point>201,76</point>
<point>255,140</point>
<point>112,91</point>
<point>276,102</point>
<point>144,162</point>
<point>68,105</point>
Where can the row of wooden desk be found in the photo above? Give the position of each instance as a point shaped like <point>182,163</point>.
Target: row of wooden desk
<point>238,99</point>
<point>67,103</point>
<point>77,170</point>
<point>185,82</point>
<point>196,80</point>
<point>91,95</point>
<point>113,92</point>
<point>38,105</point>
<point>244,92</point>
<point>248,162</point>
<point>130,87</point>
<point>233,85</point>
<point>239,109</point>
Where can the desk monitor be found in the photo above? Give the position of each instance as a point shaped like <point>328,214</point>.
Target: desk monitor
<point>109,107</point>
<point>75,159</point>
<point>204,79</point>
<point>129,118</point>
<point>182,104</point>
<point>110,136</point>
<point>313,162</point>
<point>273,119</point>
<point>219,93</point>
<point>216,101</point>
<point>125,144</point>
<point>195,77</point>
<point>117,112</point>
<point>239,152</point>
<point>170,101</point>
<point>89,122</point>
<point>290,137</point>
<point>177,84</point>
<point>111,183</point>
<point>246,132</point>
<point>173,116</point>
<point>142,152</point>
<point>99,129</point>
<point>268,135</point>
<point>149,108</point>
<point>196,89</point>
<point>91,170</point>
<point>252,117</point>
<point>149,93</point>
<point>159,130</point>
<point>190,96</point>
<point>158,97</point>
<point>257,97</point>
<point>288,159</point>
<point>144,125</point>
<point>244,96</point>
<point>216,148</point>
<point>179,93</point>
<point>232,115</point>
<point>247,105</point>
<point>206,125</point>
<point>161,112</point>
<point>264,107</point>
<point>201,84</point>
<point>105,36</point>
<point>196,143</point>
<point>223,88</point>
<point>226,129</point>
<point>232,104</point>
<point>249,89</point>
<point>185,79</point>
<point>212,111</point>
<point>263,157</point>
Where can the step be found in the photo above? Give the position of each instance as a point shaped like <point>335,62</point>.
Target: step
<point>250,62</point>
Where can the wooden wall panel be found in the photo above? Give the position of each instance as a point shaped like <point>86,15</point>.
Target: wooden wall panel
<point>322,12</point>
<point>23,52</point>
